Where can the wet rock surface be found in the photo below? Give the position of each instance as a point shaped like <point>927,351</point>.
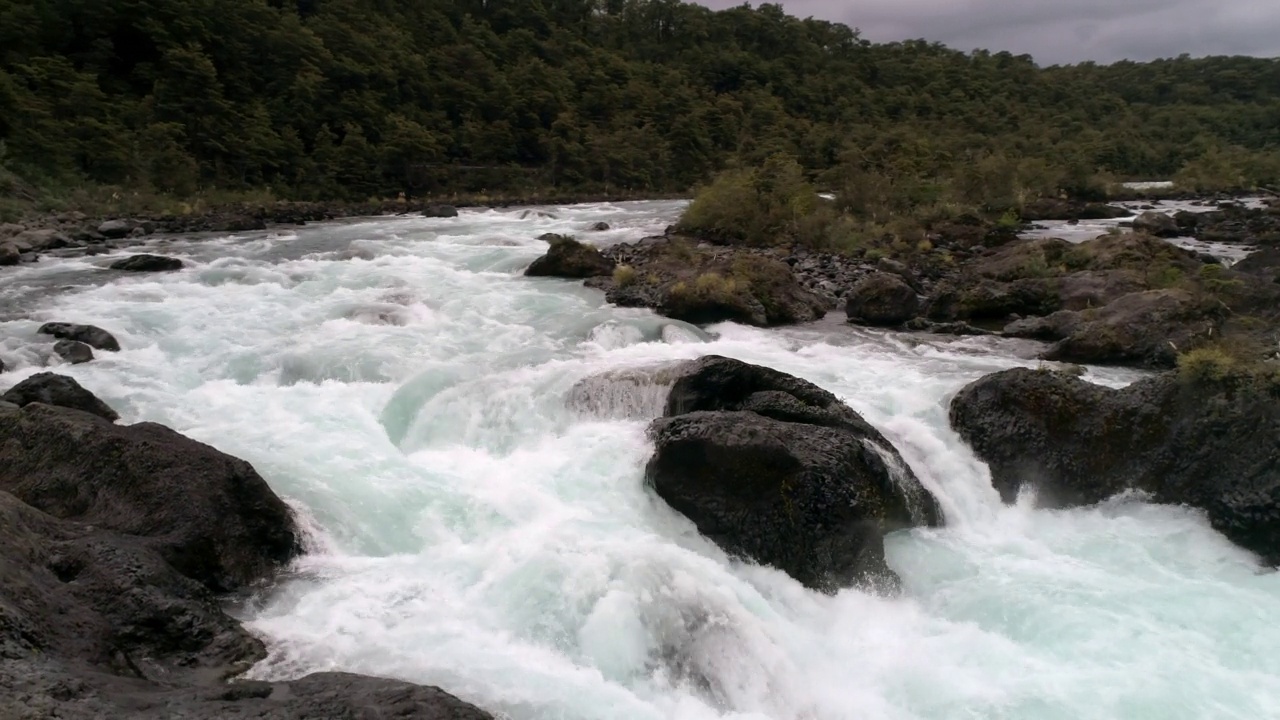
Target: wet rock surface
<point>775,469</point>
<point>113,543</point>
<point>1209,444</point>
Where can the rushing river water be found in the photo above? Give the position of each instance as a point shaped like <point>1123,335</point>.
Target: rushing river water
<point>403,386</point>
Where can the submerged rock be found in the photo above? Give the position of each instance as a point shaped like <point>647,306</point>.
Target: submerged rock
<point>568,258</point>
<point>148,263</point>
<point>73,352</point>
<point>1209,444</point>
<point>90,335</point>
<point>775,469</point>
<point>60,390</point>
<point>440,211</point>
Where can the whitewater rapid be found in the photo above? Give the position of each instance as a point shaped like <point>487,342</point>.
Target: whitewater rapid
<point>479,524</point>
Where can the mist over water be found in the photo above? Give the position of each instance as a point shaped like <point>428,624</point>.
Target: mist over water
<point>479,519</point>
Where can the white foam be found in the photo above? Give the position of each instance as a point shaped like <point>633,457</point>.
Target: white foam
<point>475,530</point>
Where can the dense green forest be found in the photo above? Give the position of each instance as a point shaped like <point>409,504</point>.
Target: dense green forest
<point>360,98</point>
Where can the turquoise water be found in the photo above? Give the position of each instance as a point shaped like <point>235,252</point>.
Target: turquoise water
<point>477,524</point>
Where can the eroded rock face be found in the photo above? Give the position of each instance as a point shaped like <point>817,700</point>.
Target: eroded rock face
<point>1209,445</point>
<point>775,469</point>
<point>568,258</point>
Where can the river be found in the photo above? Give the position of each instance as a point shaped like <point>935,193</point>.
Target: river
<point>402,385</point>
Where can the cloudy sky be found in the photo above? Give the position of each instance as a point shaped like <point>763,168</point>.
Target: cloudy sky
<point>1061,31</point>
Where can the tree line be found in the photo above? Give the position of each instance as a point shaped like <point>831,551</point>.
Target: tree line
<point>319,99</point>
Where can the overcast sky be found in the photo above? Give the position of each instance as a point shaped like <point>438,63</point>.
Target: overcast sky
<point>1062,31</point>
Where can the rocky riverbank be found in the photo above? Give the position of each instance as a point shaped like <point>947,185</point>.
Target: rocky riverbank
<point>116,545</point>
<point>71,234</point>
<point>1121,298</point>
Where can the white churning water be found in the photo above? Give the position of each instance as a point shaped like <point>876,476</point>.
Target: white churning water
<point>479,519</point>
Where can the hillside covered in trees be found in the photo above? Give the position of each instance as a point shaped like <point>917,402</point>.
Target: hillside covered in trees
<point>358,98</point>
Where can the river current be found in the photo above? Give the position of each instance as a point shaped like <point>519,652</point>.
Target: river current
<point>477,523</point>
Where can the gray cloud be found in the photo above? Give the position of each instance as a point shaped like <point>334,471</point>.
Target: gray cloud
<point>1062,31</point>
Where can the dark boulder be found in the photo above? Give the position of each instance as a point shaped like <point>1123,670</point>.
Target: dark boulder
<point>881,299</point>
<point>148,263</point>
<point>116,229</point>
<point>96,624</point>
<point>1157,224</point>
<point>9,254</point>
<point>93,336</point>
<point>440,211</point>
<point>778,470</point>
<point>40,239</point>
<point>600,226</point>
<point>568,258</point>
<point>208,514</point>
<point>1209,444</point>
<point>73,352</point>
<point>58,390</point>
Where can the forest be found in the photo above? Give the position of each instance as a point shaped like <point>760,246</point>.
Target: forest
<point>352,99</point>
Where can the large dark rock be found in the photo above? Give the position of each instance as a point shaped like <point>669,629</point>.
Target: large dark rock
<point>116,229</point>
<point>58,390</point>
<point>73,352</point>
<point>568,258</point>
<point>9,254</point>
<point>90,335</point>
<point>881,299</point>
<point>1206,444</point>
<point>776,469</point>
<point>208,514</point>
<point>148,263</point>
<point>1157,223</point>
<point>440,211</point>
<point>96,624</point>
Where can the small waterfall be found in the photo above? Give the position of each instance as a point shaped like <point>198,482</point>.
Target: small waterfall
<point>911,488</point>
<point>637,393</point>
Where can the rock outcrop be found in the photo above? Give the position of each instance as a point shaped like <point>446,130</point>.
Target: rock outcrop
<point>705,284</point>
<point>91,335</point>
<point>775,469</point>
<point>1206,443</point>
<point>568,258</point>
<point>113,543</point>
